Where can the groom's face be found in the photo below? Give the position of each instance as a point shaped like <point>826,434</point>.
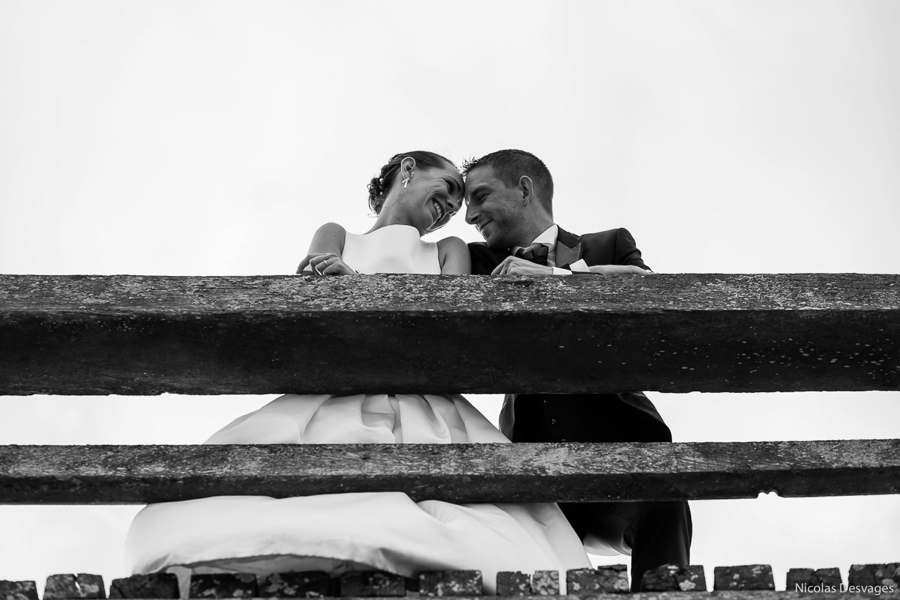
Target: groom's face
<point>494,208</point>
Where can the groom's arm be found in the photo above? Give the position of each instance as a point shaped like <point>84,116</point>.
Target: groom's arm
<point>626,251</point>
<point>612,252</point>
<point>484,259</point>
<point>512,265</point>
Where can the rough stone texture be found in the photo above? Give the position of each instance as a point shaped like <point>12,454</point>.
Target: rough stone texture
<point>60,587</point>
<point>513,583</point>
<point>674,578</point>
<point>610,579</point>
<point>744,577</point>
<point>545,583</point>
<point>875,575</point>
<point>372,583</point>
<point>223,585</point>
<point>450,583</point>
<point>146,335</point>
<point>82,585</point>
<point>307,584</point>
<point>90,586</point>
<point>18,590</point>
<point>738,595</point>
<point>801,580</point>
<point>460,473</point>
<point>156,585</point>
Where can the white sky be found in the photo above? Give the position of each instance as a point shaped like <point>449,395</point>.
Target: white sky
<point>209,138</point>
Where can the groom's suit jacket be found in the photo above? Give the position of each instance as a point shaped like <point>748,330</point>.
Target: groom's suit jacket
<point>615,417</point>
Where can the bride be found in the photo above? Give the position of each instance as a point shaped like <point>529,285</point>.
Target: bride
<point>415,193</point>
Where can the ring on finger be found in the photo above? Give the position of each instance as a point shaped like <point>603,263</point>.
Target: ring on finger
<point>324,265</point>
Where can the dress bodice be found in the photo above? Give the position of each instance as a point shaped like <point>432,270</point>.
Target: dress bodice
<point>391,249</point>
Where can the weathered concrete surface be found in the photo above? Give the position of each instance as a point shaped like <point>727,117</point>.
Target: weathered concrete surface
<point>69,587</point>
<point>18,590</point>
<point>451,472</point>
<point>715,595</point>
<point>514,583</point>
<point>154,585</point>
<point>223,585</point>
<point>450,583</point>
<point>140,335</point>
<point>744,577</point>
<point>801,579</point>
<point>294,584</point>
<point>674,578</point>
<point>377,584</point>
<point>875,575</point>
<point>606,579</point>
<point>544,583</point>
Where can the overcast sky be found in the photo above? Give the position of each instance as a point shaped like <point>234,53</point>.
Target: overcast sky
<point>206,138</point>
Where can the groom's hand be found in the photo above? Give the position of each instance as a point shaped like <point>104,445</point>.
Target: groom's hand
<point>512,265</point>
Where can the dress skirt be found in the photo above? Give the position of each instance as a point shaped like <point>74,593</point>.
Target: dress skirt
<point>354,531</point>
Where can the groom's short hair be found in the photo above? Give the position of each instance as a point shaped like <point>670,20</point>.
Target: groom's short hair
<point>510,165</point>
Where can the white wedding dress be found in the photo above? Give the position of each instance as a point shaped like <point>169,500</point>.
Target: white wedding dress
<point>357,531</point>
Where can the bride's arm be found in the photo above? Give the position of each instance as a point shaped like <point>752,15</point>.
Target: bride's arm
<point>454,256</point>
<point>325,251</point>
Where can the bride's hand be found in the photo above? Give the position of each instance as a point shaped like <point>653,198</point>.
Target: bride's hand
<point>326,263</point>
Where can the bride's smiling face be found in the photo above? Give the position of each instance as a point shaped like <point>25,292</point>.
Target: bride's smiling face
<point>431,197</point>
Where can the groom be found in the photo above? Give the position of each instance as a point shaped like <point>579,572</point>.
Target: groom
<point>508,199</point>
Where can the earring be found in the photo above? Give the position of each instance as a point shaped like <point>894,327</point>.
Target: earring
<point>405,181</point>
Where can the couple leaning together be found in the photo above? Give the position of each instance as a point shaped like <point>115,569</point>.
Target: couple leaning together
<point>507,197</point>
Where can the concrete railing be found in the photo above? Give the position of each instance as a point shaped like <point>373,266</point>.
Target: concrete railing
<point>136,335</point>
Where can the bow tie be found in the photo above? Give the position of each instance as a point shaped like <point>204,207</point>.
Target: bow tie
<point>536,253</point>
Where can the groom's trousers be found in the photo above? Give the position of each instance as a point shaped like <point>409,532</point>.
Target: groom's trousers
<point>658,533</point>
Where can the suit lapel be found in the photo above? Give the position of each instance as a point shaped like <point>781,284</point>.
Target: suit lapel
<point>568,248</point>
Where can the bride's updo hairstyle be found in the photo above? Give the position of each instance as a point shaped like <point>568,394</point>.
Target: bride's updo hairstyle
<point>382,182</point>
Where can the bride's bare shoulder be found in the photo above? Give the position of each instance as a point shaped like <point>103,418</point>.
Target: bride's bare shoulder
<point>454,256</point>
<point>331,229</point>
<point>451,244</point>
<point>328,238</point>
